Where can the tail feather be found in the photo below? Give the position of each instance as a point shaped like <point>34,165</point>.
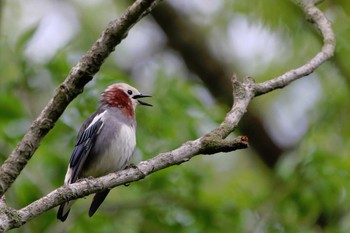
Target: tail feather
<point>63,210</point>
<point>97,201</point>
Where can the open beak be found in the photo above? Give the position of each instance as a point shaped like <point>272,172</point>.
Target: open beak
<point>137,97</point>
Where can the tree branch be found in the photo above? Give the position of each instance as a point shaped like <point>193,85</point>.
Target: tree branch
<point>316,16</point>
<point>210,143</point>
<point>192,47</point>
<point>213,142</point>
<point>73,85</point>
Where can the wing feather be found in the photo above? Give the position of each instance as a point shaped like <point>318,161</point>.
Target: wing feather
<point>85,141</point>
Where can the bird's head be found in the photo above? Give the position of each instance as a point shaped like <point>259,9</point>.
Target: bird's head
<point>123,96</point>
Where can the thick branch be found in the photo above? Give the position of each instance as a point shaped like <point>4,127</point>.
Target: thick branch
<point>210,143</point>
<point>79,75</point>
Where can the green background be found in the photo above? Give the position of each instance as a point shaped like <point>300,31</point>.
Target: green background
<point>306,191</point>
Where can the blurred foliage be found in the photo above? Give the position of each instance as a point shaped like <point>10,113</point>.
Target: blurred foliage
<point>308,191</point>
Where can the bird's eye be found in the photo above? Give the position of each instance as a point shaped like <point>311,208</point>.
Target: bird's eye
<point>130,92</point>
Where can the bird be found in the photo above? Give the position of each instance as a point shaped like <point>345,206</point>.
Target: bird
<point>105,142</point>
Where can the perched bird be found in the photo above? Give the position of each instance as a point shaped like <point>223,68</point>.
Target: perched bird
<point>106,141</point>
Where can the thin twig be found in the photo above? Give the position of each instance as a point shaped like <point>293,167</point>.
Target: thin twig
<point>316,16</point>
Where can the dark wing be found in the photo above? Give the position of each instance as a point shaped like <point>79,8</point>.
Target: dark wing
<point>85,141</point>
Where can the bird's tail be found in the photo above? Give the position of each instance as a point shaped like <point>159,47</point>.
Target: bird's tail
<point>63,210</point>
<point>97,201</point>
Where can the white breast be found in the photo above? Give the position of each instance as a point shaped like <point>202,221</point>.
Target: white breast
<point>118,154</point>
